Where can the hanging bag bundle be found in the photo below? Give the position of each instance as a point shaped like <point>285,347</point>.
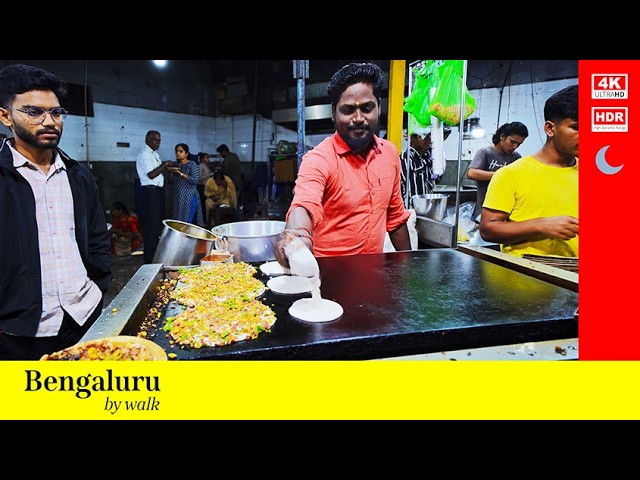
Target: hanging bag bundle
<point>445,103</point>
<point>418,101</point>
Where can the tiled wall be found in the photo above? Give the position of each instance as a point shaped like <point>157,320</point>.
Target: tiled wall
<point>115,135</point>
<point>522,103</point>
<point>113,125</point>
<point>111,139</point>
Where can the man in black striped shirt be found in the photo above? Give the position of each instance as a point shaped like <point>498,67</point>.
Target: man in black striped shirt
<point>417,170</point>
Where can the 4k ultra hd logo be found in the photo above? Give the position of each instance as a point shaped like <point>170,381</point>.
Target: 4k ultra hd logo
<point>609,119</point>
<point>609,86</point>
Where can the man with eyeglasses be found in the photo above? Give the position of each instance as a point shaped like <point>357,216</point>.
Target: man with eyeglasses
<point>55,258</point>
<point>150,171</point>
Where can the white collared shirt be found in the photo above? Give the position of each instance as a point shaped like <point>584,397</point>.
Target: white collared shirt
<point>65,284</point>
<point>148,160</point>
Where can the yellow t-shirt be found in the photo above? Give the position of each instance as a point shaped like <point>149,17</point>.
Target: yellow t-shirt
<point>529,189</point>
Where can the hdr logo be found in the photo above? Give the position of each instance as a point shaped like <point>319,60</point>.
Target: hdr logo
<point>609,86</point>
<point>609,119</point>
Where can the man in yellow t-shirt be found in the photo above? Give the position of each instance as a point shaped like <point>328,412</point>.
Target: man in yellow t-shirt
<point>531,206</point>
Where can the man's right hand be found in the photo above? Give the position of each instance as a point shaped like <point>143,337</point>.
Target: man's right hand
<point>290,235</point>
<point>281,255</point>
<point>564,227</point>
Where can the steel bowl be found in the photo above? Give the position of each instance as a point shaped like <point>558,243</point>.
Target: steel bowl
<point>251,240</point>
<point>183,244</point>
<point>431,205</point>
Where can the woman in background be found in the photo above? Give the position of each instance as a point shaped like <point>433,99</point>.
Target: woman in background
<point>489,159</point>
<point>187,206</point>
<point>125,231</point>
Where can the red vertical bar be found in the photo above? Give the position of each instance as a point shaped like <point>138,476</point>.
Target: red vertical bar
<point>609,290</point>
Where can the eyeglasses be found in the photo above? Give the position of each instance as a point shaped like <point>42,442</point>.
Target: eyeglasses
<point>38,114</point>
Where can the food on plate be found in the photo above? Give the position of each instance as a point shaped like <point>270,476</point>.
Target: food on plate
<point>123,348</point>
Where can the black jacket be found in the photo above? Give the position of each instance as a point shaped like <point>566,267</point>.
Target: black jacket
<point>20,275</point>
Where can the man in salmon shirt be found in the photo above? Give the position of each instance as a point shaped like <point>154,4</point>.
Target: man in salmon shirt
<point>347,193</point>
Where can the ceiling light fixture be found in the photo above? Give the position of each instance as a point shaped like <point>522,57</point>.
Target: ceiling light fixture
<point>160,63</point>
<point>473,129</point>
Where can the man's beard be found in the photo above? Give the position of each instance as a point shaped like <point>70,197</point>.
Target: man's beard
<point>358,144</point>
<point>32,139</point>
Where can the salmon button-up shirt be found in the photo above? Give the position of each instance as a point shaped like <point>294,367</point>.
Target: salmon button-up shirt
<point>353,201</point>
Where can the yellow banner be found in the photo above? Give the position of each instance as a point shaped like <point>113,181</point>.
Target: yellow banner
<point>248,390</point>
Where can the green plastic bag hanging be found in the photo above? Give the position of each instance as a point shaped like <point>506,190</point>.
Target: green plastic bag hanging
<point>417,103</point>
<point>413,126</point>
<point>445,103</point>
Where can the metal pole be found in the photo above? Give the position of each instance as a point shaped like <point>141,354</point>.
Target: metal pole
<point>454,240</point>
<point>253,142</point>
<point>300,72</point>
<point>412,67</point>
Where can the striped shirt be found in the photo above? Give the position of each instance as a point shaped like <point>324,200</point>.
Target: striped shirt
<point>65,284</point>
<point>416,175</point>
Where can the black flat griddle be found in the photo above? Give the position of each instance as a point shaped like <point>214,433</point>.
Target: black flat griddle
<point>404,303</point>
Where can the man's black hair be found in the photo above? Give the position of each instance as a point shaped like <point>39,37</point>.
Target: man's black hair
<point>562,105</point>
<point>18,78</point>
<point>353,73</point>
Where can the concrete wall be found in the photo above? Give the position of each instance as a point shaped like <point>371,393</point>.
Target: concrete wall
<point>116,134</point>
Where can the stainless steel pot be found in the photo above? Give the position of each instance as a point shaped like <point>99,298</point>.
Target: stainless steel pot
<point>183,244</point>
<point>249,241</point>
<point>431,205</point>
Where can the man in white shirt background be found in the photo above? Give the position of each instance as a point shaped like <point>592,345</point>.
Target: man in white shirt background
<point>150,169</point>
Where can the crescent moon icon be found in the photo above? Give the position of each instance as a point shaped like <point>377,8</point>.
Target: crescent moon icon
<point>603,165</point>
